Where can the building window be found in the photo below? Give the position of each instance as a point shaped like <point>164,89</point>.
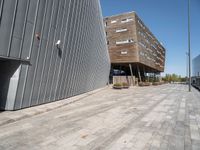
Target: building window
<point>105,24</point>
<point>121,30</point>
<point>124,52</point>
<point>142,44</point>
<point>142,34</point>
<point>126,20</point>
<point>113,21</point>
<point>147,40</point>
<point>107,42</point>
<point>131,41</point>
<point>121,42</point>
<point>153,46</point>
<point>141,53</point>
<point>125,41</point>
<point>141,25</point>
<point>149,35</point>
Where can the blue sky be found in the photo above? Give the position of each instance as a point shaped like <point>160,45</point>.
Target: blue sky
<point>167,19</point>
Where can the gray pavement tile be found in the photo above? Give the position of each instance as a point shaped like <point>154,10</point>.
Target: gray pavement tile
<point>157,117</point>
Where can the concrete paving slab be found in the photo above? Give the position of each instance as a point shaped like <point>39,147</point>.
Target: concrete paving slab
<point>156,117</point>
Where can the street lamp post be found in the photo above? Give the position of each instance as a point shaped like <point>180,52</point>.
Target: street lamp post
<point>189,51</point>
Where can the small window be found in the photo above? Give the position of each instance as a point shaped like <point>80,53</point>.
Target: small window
<point>107,42</point>
<point>124,52</point>
<point>131,41</point>
<point>142,44</point>
<point>141,25</point>
<point>153,46</point>
<point>113,21</point>
<point>126,20</point>
<point>125,41</point>
<point>106,24</point>
<point>121,42</point>
<point>141,53</point>
<point>121,30</point>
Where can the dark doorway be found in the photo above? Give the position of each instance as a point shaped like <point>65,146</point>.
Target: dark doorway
<point>7,69</point>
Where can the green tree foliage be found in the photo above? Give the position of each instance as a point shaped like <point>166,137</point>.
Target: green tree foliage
<point>173,78</point>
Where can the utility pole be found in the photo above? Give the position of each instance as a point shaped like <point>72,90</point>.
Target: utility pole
<point>189,51</point>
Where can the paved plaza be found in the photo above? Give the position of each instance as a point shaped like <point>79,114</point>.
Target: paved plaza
<point>150,118</point>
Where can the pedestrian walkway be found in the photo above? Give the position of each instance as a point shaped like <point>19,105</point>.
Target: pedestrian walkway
<point>156,117</point>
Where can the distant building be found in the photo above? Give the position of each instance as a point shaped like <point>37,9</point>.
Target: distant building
<point>196,66</point>
<point>50,50</point>
<point>132,46</point>
<point>196,72</point>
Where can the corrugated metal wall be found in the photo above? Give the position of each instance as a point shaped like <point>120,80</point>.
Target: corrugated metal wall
<point>80,64</point>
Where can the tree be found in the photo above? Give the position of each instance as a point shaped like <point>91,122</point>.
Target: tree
<point>173,78</point>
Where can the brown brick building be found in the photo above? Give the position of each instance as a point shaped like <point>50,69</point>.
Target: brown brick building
<point>132,46</point>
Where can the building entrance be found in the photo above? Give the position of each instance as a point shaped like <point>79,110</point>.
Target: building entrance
<point>9,75</point>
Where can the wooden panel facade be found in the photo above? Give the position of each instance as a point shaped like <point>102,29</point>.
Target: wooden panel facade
<point>131,42</point>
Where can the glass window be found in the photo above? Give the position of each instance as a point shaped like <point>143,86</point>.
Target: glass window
<point>121,30</point>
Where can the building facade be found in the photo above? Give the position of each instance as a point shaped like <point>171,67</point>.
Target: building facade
<point>196,66</point>
<point>196,72</point>
<point>130,42</point>
<point>50,50</point>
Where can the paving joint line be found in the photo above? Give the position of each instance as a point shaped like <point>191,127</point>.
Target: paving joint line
<point>26,116</point>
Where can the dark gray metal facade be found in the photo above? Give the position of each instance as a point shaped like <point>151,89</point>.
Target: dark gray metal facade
<point>33,69</point>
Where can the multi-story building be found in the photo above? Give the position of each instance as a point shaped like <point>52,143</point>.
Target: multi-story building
<point>50,50</point>
<point>196,72</point>
<point>131,44</point>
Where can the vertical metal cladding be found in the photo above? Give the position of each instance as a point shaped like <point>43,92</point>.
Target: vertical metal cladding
<point>31,29</point>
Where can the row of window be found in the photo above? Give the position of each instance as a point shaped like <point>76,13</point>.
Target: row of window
<point>125,52</point>
<point>122,21</point>
<point>149,36</point>
<point>141,34</point>
<point>152,45</point>
<point>142,44</point>
<point>160,59</point>
<point>128,41</point>
<point>121,30</point>
<point>127,20</point>
<point>160,65</point>
<point>150,50</point>
<point>146,39</point>
<point>125,41</point>
<point>161,48</point>
<point>154,54</point>
<point>159,52</point>
<point>147,57</point>
<point>141,25</point>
